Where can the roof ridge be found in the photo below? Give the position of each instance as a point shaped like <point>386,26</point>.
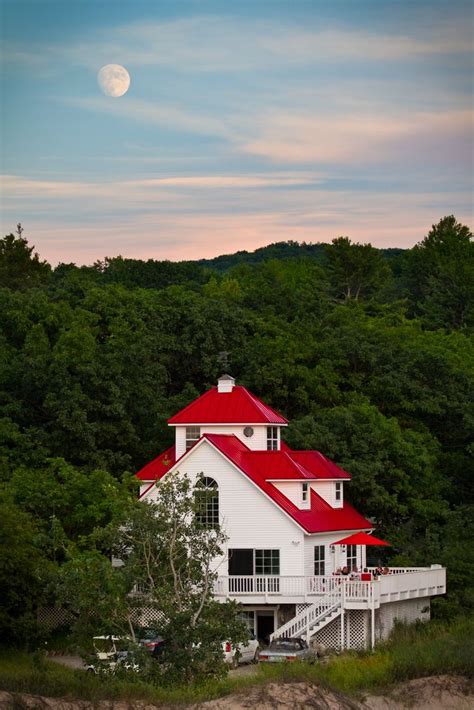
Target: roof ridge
<point>264,408</point>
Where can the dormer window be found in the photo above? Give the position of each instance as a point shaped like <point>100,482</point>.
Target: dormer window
<point>338,491</point>
<point>272,438</point>
<point>304,492</point>
<point>193,434</point>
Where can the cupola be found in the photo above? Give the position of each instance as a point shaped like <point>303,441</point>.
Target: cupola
<point>225,383</point>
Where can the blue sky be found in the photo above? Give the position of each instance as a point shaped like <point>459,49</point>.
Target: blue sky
<point>245,123</point>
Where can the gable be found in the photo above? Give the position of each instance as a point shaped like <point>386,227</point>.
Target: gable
<point>245,508</point>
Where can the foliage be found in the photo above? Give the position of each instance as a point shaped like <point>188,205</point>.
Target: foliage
<point>166,565</point>
<point>440,275</point>
<point>23,573</point>
<point>355,270</point>
<point>19,267</point>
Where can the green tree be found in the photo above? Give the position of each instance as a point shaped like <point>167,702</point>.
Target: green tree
<point>24,573</point>
<point>167,559</point>
<point>356,271</point>
<point>440,276</point>
<point>19,267</point>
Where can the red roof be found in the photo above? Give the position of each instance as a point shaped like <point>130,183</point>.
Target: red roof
<point>319,465</point>
<point>157,468</point>
<point>260,466</point>
<point>237,407</point>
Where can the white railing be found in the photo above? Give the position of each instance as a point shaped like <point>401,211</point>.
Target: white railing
<point>399,570</point>
<point>309,589</point>
<point>305,621</point>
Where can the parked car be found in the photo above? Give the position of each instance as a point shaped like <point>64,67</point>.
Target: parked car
<point>242,653</point>
<point>151,641</point>
<point>284,649</point>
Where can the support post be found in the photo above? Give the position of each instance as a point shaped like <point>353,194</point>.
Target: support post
<point>372,620</point>
<point>343,613</point>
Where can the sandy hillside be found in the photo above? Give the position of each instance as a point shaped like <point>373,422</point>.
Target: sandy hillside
<point>436,693</point>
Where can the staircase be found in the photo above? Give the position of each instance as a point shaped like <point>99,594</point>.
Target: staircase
<point>310,620</point>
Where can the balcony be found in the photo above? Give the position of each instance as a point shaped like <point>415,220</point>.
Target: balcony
<point>401,583</point>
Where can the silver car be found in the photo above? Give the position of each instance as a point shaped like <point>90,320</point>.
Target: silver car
<point>283,649</point>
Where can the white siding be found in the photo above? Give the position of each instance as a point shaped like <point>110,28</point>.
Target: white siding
<point>293,491</point>
<point>333,559</point>
<point>327,491</point>
<point>257,442</point>
<point>249,518</point>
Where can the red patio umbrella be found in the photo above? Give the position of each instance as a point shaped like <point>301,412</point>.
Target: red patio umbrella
<point>362,538</point>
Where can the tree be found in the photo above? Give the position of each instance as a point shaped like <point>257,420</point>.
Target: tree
<point>24,573</point>
<point>167,565</point>
<point>356,271</point>
<point>440,276</point>
<point>19,267</point>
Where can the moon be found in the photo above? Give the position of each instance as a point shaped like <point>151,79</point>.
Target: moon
<point>114,80</point>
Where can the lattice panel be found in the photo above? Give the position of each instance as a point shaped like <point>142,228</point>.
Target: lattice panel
<point>301,607</point>
<point>147,616</point>
<point>330,635</point>
<point>357,629</point>
<point>52,617</point>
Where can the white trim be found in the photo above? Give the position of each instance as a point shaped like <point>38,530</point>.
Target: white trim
<point>299,480</point>
<point>333,532</point>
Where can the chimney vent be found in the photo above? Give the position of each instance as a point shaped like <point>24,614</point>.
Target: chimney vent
<point>225,383</point>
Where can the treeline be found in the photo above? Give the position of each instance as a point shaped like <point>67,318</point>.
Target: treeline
<point>367,352</point>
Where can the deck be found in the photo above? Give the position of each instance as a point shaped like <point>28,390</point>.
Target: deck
<point>401,583</point>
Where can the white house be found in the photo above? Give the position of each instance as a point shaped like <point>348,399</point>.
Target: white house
<point>284,513</point>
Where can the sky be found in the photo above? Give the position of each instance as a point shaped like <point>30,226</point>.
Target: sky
<point>245,123</point>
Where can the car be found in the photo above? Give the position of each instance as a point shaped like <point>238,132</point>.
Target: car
<point>287,649</point>
<point>151,641</point>
<point>242,653</point>
<point>112,654</point>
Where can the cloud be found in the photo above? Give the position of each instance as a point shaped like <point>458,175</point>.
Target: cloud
<point>210,43</point>
<point>145,189</point>
<point>297,138</point>
<point>157,113</point>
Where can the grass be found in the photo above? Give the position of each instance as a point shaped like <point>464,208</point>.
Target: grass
<point>413,652</point>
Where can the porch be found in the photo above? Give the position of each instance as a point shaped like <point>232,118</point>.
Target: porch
<point>399,584</point>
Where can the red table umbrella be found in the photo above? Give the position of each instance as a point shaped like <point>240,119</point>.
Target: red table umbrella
<point>362,538</point>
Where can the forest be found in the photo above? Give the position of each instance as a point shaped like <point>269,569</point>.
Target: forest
<point>367,352</point>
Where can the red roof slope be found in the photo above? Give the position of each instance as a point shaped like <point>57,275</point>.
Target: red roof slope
<point>319,465</point>
<point>237,407</point>
<point>157,468</point>
<point>260,466</point>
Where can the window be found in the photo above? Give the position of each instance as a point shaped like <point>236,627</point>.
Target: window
<point>248,617</point>
<point>272,438</point>
<point>319,560</point>
<point>338,491</point>
<point>304,492</point>
<point>267,561</point>
<point>351,556</point>
<point>206,497</point>
<point>193,434</point>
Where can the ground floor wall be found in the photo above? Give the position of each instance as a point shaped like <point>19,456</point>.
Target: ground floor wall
<point>352,630</point>
<point>407,611</point>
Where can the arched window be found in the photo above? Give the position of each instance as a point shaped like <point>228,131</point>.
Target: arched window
<point>206,496</point>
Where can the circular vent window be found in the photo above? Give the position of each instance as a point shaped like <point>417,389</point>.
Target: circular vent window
<point>248,431</point>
